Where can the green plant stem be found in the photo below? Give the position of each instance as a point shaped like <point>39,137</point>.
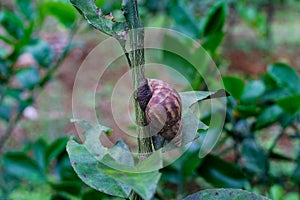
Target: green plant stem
<point>137,64</point>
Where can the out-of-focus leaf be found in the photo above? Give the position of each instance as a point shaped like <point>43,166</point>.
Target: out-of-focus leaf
<point>26,8</point>
<point>254,157</point>
<point>188,162</point>
<point>12,24</point>
<point>5,112</point>
<point>21,166</point>
<point>63,168</point>
<point>63,12</point>
<point>55,149</point>
<point>8,40</point>
<point>70,187</point>
<point>221,173</point>
<point>180,64</point>
<point>211,42</point>
<point>14,93</point>
<point>296,173</point>
<point>276,192</point>
<point>252,17</point>
<point>28,77</point>
<point>177,61</point>
<point>234,85</point>
<point>107,180</point>
<point>3,68</point>
<point>285,76</point>
<point>268,116</point>
<point>225,194</point>
<point>42,53</point>
<point>184,20</point>
<point>93,194</point>
<point>24,104</point>
<point>215,20</point>
<point>274,94</point>
<point>39,148</point>
<point>248,110</point>
<point>253,90</point>
<point>290,104</point>
<point>291,196</point>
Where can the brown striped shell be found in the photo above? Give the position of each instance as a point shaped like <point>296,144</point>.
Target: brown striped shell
<point>162,105</point>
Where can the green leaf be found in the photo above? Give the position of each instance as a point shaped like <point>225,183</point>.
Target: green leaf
<point>4,68</point>
<point>108,180</point>
<point>221,173</point>
<point>24,104</point>
<point>12,24</point>
<point>39,148</point>
<point>248,110</point>
<point>296,173</point>
<point>21,166</point>
<point>225,194</point>
<point>14,93</point>
<point>5,112</point>
<point>186,164</point>
<point>180,64</point>
<point>42,53</point>
<point>183,56</point>
<point>234,85</point>
<point>215,20</point>
<point>90,12</point>
<point>63,12</point>
<point>55,149</point>
<point>70,187</point>
<point>191,97</point>
<point>63,168</point>
<point>253,90</point>
<point>290,104</point>
<point>93,194</point>
<point>285,77</point>
<point>268,116</point>
<point>254,157</point>
<point>184,20</point>
<point>92,142</point>
<point>212,41</point>
<point>28,77</point>
<point>26,8</point>
<point>276,192</point>
<point>274,94</point>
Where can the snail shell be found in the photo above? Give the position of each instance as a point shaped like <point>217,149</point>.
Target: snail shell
<point>162,105</point>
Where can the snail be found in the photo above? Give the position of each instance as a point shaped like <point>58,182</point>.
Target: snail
<point>162,106</point>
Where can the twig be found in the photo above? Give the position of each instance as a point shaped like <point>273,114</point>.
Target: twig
<point>12,124</point>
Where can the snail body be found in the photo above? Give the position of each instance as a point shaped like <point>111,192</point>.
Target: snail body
<point>162,105</point>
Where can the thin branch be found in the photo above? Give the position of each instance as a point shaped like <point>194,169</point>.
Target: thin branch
<point>12,124</point>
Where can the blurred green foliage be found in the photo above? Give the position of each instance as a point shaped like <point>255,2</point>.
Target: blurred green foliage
<point>248,155</point>
<point>27,64</point>
<point>27,61</point>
